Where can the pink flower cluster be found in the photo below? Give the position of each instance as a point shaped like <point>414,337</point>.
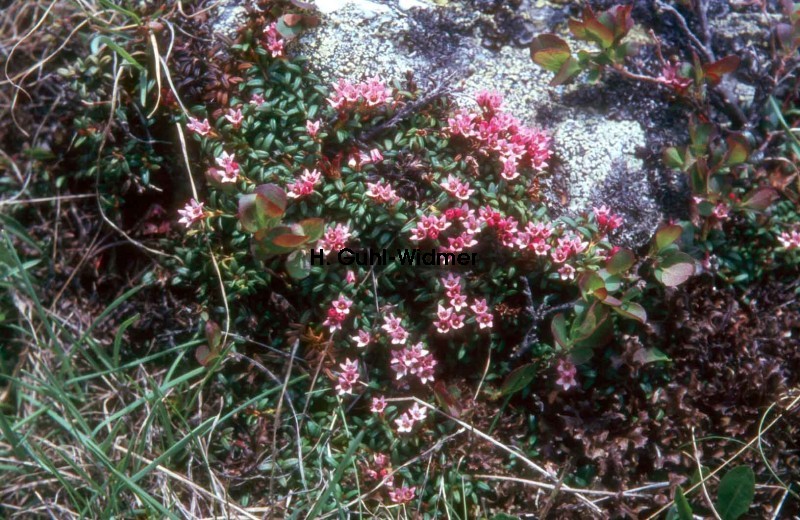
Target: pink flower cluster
<point>567,246</point>
<point>200,128</point>
<point>429,226</point>
<point>394,327</point>
<point>305,186</point>
<point>448,318</point>
<point>229,171</point>
<point>335,238</point>
<point>566,374</point>
<point>406,421</point>
<point>501,133</point>
<point>506,228</point>
<point>606,220</point>
<point>402,494</point>
<point>337,313</point>
<point>348,377</point>
<point>457,188</point>
<point>534,237</point>
<point>416,361</point>
<point>790,239</point>
<point>191,213</point>
<point>273,41</point>
<point>671,77</point>
<point>370,93</point>
<point>383,192</point>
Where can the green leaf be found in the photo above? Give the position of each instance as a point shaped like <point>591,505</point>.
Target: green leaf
<point>736,491</point>
<point>631,310</point>
<point>682,505</point>
<point>738,150</point>
<point>518,379</point>
<point>116,48</point>
<point>667,235</point>
<point>559,329</point>
<point>263,208</point>
<point>622,260</point>
<point>568,70</point>
<point>672,158</point>
<point>298,265</point>
<point>591,284</point>
<point>550,52</point>
<point>272,199</point>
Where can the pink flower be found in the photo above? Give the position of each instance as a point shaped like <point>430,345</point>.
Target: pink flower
<point>337,313</point>
<point>370,93</point>
<point>404,423</point>
<point>417,413</point>
<point>312,127</point>
<point>457,188</point>
<point>348,377</point>
<point>721,211</point>
<point>489,101</point>
<point>230,167</point>
<point>451,282</point>
<point>378,406</point>
<point>456,321</point>
<point>305,186</point>
<point>458,302</point>
<point>335,238</point>
<point>257,99</point>
<point>382,192</point>
<point>442,323</point>
<point>362,339</point>
<point>234,117</point>
<point>392,325</point>
<point>566,272</point>
<point>566,374</point>
<point>350,277</point>
<point>790,239</point>
<point>198,127</point>
<point>402,495</point>
<point>273,40</point>
<point>374,156</point>
<point>415,360</point>
<point>485,320</point>
<point>191,213</point>
<point>605,220</point>
<point>459,243</point>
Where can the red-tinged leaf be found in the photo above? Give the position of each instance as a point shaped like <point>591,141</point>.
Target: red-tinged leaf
<point>313,227</point>
<point>672,158</point>
<point>568,70</point>
<point>559,329</point>
<point>622,260</point>
<point>632,310</point>
<point>667,236</point>
<point>273,199</point>
<point>290,240</point>
<point>596,30</point>
<point>204,355</point>
<point>446,399</point>
<point>675,269</point>
<point>518,379</point>
<point>715,71</point>
<point>213,335</point>
<point>623,22</point>
<point>292,19</point>
<point>738,150</point>
<point>577,28</point>
<point>550,52</point>
<point>593,328</point>
<point>760,198</point>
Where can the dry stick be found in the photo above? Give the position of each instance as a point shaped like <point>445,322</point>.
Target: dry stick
<point>702,482</point>
<point>578,493</point>
<point>277,424</point>
<point>733,457</point>
<point>187,482</point>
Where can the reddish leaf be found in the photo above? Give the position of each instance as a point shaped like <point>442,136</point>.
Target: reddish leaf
<point>289,240</point>
<point>292,19</point>
<point>596,30</point>
<point>550,52</point>
<point>667,235</point>
<point>213,335</point>
<point>760,198</point>
<point>446,399</point>
<point>313,227</point>
<point>715,71</point>
<point>622,260</point>
<point>675,269</point>
<point>273,199</point>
